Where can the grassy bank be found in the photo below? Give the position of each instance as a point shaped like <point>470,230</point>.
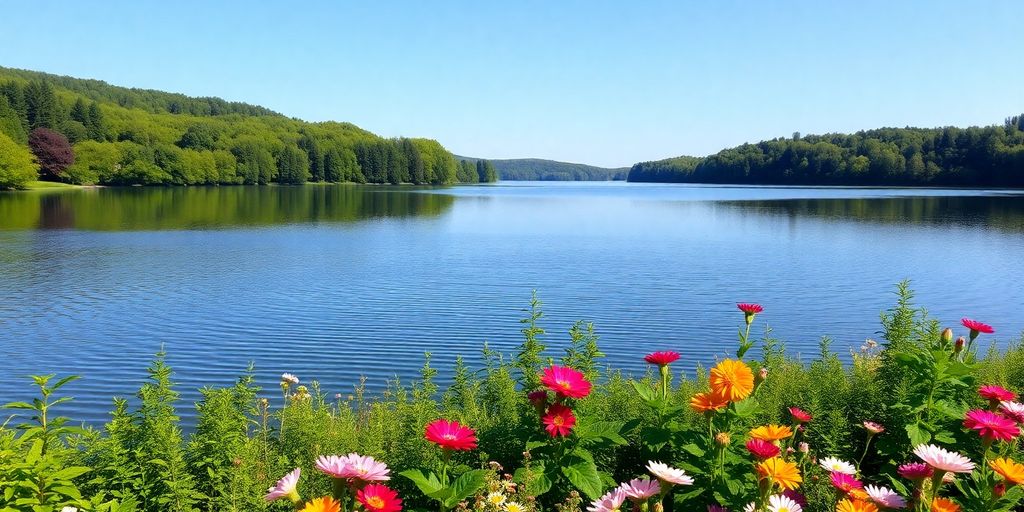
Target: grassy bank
<point>575,437</point>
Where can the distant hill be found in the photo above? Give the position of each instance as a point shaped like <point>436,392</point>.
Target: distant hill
<point>535,169</point>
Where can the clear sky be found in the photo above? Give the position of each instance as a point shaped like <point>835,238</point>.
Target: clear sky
<point>600,82</point>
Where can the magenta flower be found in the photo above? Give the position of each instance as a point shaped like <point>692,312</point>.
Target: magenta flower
<point>996,393</point>
<point>915,471</point>
<point>976,327</point>
<point>762,449</point>
<point>991,426</point>
<point>566,382</point>
<point>1012,410</point>
<point>662,358</point>
<point>845,483</point>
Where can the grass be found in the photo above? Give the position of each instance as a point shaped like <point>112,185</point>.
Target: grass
<point>49,185</point>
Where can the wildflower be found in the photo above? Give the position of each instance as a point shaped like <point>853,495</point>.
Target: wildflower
<point>640,489</point>
<point>855,506</point>
<point>804,448</point>
<point>717,508</point>
<point>999,490</point>
<point>366,468</point>
<point>994,393</point>
<point>288,379</point>
<point>450,435</point>
<point>668,474</point>
<point>780,472</point>
<point>722,439</point>
<point>610,502</point>
<point>707,402</point>
<point>1011,471</point>
<point>749,310</point>
<point>337,396</point>
<point>845,482</point>
<point>781,503</point>
<point>800,499</point>
<point>662,358</point>
<point>873,428</point>
<point>514,506</point>
<point>732,380</point>
<point>915,471</point>
<point>539,397</point>
<point>835,465</point>
<point>566,382</point>
<point>771,432</point>
<point>944,505</point>
<point>378,498</point>
<point>976,327</point>
<point>943,460</point>
<point>1012,410</point>
<point>762,449</point>
<point>332,465</point>
<point>496,499</point>
<point>799,415</point>
<point>325,504</point>
<point>991,426</point>
<point>885,497</point>
<point>559,420</point>
<point>959,345</point>
<point>301,393</point>
<point>285,487</point>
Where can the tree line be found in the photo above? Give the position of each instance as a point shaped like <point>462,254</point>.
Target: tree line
<point>88,132</point>
<point>990,156</point>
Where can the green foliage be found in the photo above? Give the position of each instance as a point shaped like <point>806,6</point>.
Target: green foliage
<point>17,165</point>
<point>534,169</point>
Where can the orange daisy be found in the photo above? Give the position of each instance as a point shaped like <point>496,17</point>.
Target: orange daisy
<point>944,505</point>
<point>859,494</point>
<point>856,506</point>
<point>771,432</point>
<point>780,472</point>
<point>704,402</point>
<point>325,504</point>
<point>1011,471</point>
<point>732,380</point>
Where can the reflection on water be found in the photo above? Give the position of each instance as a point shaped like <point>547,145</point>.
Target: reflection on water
<point>147,209</point>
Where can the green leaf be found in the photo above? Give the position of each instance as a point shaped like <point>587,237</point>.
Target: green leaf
<point>18,405</point>
<point>583,474</point>
<point>69,473</point>
<point>465,485</point>
<point>539,482</point>
<point>427,482</point>
<point>917,435</point>
<point>609,430</point>
<point>746,408</point>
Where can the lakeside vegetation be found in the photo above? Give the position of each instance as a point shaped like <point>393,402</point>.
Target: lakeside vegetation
<point>89,132</point>
<point>535,169</point>
<point>990,156</point>
<point>537,430</point>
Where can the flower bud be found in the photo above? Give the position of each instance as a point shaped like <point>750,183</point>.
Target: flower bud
<point>959,347</point>
<point>999,490</point>
<point>947,335</point>
<point>804,447</point>
<point>722,438</point>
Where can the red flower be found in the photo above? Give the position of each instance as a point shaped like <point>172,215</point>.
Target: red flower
<point>566,382</point>
<point>799,415</point>
<point>750,309</point>
<point>378,498</point>
<point>762,449</point>
<point>450,435</point>
<point>559,420</point>
<point>976,327</point>
<point>991,426</point>
<point>662,358</point>
<point>996,393</point>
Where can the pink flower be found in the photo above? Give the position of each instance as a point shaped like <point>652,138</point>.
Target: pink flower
<point>845,483</point>
<point>749,309</point>
<point>559,420</point>
<point>717,508</point>
<point>366,468</point>
<point>1012,410</point>
<point>539,397</point>
<point>668,474</point>
<point>285,487</point>
<point>566,382</point>
<point>996,393</point>
<point>885,497</point>
<point>795,496</point>
<point>943,460</point>
<point>609,502</point>
<point>976,327</point>
<point>799,415</point>
<point>641,489</point>
<point>991,426</point>
<point>332,465</point>
<point>873,427</point>
<point>662,358</point>
<point>915,471</point>
<point>450,435</point>
<point>762,449</point>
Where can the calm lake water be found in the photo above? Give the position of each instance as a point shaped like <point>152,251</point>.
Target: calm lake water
<point>334,282</point>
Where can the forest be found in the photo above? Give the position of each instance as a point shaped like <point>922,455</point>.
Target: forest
<point>990,156</point>
<point>535,169</point>
<point>88,132</point>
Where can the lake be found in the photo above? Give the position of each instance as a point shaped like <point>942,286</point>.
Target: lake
<point>335,282</point>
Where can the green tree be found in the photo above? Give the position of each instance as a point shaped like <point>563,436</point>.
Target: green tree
<point>11,123</point>
<point>42,107</point>
<point>292,166</point>
<point>255,162</point>
<point>17,166</point>
<point>95,123</point>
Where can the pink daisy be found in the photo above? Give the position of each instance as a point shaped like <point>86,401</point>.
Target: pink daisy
<point>1012,410</point>
<point>915,471</point>
<point>885,497</point>
<point>996,393</point>
<point>566,382</point>
<point>285,487</point>
<point>640,489</point>
<point>943,460</point>
<point>991,426</point>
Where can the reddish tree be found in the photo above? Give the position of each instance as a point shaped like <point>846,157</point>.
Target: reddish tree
<point>52,150</point>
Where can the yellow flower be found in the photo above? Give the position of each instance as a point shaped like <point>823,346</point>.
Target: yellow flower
<point>325,504</point>
<point>732,380</point>
<point>496,499</point>
<point>944,505</point>
<point>855,506</point>
<point>780,472</point>
<point>705,402</point>
<point>771,433</point>
<point>1011,471</point>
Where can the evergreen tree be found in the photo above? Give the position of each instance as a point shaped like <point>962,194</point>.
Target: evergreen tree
<point>95,124</point>
<point>292,166</point>
<point>42,107</point>
<point>10,122</point>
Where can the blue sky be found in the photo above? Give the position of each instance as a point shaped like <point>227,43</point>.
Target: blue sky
<point>601,82</point>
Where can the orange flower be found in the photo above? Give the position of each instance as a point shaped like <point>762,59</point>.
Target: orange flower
<point>944,505</point>
<point>704,402</point>
<point>325,504</point>
<point>856,506</point>
<point>780,472</point>
<point>771,432</point>
<point>1011,471</point>
<point>732,380</point>
<point>859,494</point>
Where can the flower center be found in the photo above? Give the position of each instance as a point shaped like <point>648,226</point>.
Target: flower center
<point>558,421</point>
<point>375,502</point>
